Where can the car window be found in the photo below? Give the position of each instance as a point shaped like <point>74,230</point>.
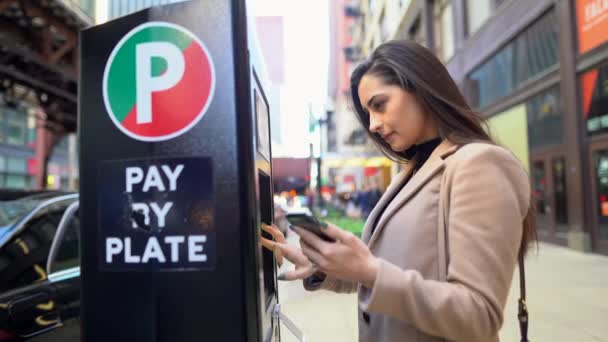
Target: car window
<point>24,254</point>
<point>68,255</point>
<point>12,211</point>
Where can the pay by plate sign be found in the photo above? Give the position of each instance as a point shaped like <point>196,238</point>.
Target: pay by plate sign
<point>156,214</point>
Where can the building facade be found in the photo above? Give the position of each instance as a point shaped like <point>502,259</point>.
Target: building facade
<point>38,85</point>
<point>351,162</point>
<point>118,8</point>
<point>538,72</point>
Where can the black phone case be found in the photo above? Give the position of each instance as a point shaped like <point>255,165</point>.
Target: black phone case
<point>309,223</point>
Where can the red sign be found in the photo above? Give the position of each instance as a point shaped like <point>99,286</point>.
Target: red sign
<point>592,16</point>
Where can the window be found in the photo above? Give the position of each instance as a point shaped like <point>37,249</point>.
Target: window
<point>532,52</point>
<point>478,11</point>
<point>23,259</point>
<point>31,127</point>
<point>16,127</point>
<point>444,29</point>
<point>545,119</point>
<point>16,181</point>
<point>16,165</point>
<point>600,159</point>
<point>68,255</point>
<point>493,80</point>
<point>559,191</point>
<point>537,48</point>
<point>2,117</point>
<point>2,170</point>
<point>540,188</point>
<point>14,173</point>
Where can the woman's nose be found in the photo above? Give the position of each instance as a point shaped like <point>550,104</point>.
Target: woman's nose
<point>374,124</point>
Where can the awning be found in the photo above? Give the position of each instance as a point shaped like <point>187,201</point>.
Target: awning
<point>357,162</point>
<point>290,167</point>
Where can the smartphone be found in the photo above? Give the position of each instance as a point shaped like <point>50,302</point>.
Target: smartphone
<point>309,222</point>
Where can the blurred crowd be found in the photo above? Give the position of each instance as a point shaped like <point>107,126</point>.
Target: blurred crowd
<point>354,204</point>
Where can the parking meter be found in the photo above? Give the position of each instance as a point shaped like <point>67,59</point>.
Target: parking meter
<point>175,178</point>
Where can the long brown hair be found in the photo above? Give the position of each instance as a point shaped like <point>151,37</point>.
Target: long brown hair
<point>416,70</point>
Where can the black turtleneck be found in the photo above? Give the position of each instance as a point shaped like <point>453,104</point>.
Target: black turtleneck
<point>421,153</point>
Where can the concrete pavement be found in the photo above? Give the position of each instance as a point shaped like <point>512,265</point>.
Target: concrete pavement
<point>567,300</point>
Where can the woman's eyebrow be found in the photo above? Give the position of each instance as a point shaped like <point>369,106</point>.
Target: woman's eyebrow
<point>371,99</point>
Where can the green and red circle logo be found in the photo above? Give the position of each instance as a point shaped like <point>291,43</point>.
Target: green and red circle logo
<point>158,82</point>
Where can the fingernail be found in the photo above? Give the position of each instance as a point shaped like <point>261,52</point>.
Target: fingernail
<point>281,276</point>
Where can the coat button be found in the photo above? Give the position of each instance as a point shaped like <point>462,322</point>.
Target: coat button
<point>366,317</point>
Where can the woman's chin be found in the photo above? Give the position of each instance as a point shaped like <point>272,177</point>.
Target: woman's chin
<point>397,147</point>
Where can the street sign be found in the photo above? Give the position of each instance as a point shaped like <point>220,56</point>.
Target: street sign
<point>158,81</point>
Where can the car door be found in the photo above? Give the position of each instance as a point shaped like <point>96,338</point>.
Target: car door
<point>63,269</point>
<point>29,306</point>
<point>28,311</point>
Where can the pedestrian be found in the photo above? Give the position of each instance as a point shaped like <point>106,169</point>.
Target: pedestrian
<point>373,196</point>
<point>438,251</point>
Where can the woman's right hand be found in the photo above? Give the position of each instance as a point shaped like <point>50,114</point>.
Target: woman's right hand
<point>304,268</point>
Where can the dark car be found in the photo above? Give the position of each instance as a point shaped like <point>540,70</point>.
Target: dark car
<point>39,268</point>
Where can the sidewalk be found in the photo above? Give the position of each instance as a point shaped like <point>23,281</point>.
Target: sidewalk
<point>567,299</point>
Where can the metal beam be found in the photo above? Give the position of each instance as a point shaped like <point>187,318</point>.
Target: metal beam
<point>34,58</point>
<point>62,51</point>
<point>32,10</point>
<point>30,81</point>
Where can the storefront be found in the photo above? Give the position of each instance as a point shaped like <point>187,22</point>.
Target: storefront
<point>594,91</point>
<point>533,131</point>
<point>592,26</point>
<point>346,174</point>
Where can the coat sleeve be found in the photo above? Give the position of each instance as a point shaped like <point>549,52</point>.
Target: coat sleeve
<point>489,197</point>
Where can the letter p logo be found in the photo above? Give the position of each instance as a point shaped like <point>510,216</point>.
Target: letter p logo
<point>158,82</point>
<point>146,83</point>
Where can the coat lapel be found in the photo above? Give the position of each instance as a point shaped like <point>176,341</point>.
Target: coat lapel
<point>431,167</point>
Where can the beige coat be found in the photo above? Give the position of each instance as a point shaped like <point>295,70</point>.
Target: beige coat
<point>436,286</point>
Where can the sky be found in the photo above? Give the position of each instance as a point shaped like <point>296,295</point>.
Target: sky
<point>306,26</point>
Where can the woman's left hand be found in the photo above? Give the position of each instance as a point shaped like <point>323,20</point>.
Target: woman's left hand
<point>278,237</point>
<point>348,258</point>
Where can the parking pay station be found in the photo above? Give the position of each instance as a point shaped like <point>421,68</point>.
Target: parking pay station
<point>175,178</point>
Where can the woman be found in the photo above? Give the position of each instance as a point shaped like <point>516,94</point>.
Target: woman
<point>439,250</point>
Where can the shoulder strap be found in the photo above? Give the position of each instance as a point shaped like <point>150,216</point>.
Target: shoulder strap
<point>443,255</point>
<point>522,314</point>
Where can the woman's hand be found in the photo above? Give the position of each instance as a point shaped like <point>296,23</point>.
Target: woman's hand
<point>278,237</point>
<point>348,258</point>
<point>280,248</point>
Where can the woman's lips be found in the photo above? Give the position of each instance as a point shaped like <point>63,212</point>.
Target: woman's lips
<point>388,136</point>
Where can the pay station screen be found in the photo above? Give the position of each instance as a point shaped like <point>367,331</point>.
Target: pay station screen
<point>265,194</point>
<point>262,122</point>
